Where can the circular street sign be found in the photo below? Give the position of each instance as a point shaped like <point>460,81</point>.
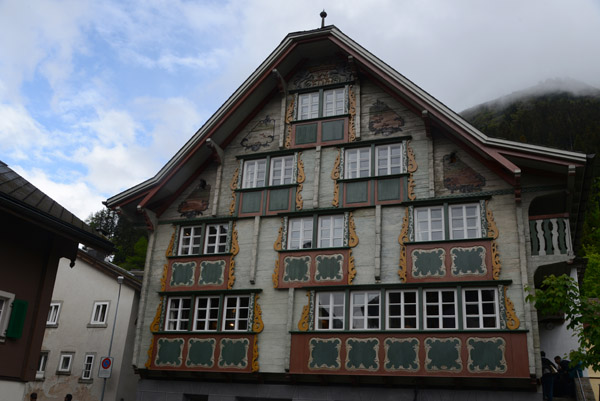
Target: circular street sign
<point>106,363</point>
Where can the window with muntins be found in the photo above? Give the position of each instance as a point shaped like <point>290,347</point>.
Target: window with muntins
<point>6,299</point>
<point>99,313</point>
<point>365,310</point>
<point>282,170</point>
<point>206,317</point>
<point>440,309</point>
<point>255,173</point>
<point>88,366</point>
<point>237,310</point>
<point>216,238</point>
<point>463,222</point>
<point>300,233</point>
<point>41,368</point>
<point>402,309</point>
<point>331,231</point>
<point>325,103</point>
<point>358,163</point>
<point>190,240</point>
<point>178,313</point>
<point>429,223</point>
<point>388,159</point>
<point>330,310</point>
<point>480,308</point>
<point>53,314</point>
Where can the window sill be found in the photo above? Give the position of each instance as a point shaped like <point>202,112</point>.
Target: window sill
<point>449,241</point>
<point>51,325</point>
<point>96,325</point>
<point>203,255</point>
<point>373,177</point>
<point>63,373</point>
<point>263,188</point>
<point>333,248</point>
<point>85,381</point>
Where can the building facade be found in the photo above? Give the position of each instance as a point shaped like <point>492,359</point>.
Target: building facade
<point>334,225</point>
<point>35,234</point>
<point>79,333</point>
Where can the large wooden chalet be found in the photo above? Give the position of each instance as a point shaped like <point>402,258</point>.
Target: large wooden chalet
<point>335,232</point>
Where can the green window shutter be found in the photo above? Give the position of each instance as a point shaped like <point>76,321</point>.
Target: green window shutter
<point>388,189</point>
<point>332,130</point>
<point>251,202</point>
<point>357,192</point>
<point>306,133</point>
<point>17,319</point>
<point>279,199</point>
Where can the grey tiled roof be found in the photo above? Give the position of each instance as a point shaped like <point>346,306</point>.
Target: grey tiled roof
<point>20,197</point>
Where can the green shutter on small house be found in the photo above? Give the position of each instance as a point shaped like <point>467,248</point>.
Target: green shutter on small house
<point>251,202</point>
<point>388,189</point>
<point>17,319</point>
<point>306,133</point>
<point>332,130</point>
<point>357,192</point>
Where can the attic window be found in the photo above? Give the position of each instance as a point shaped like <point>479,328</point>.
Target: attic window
<point>324,103</point>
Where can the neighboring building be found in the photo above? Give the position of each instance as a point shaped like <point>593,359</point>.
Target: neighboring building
<point>332,223</point>
<point>35,233</point>
<point>79,330</point>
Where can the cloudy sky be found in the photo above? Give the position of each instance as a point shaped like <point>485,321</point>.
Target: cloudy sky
<point>97,95</point>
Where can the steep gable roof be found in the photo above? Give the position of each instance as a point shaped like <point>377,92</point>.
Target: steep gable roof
<point>506,156</point>
<point>21,198</point>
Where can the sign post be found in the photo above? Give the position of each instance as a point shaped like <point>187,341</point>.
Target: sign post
<point>105,370</point>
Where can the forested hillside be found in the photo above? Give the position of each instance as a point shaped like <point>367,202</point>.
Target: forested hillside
<point>558,119</point>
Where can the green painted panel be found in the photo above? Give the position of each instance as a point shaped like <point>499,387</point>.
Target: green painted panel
<point>296,268</point>
<point>332,130</point>
<point>212,272</point>
<point>401,354</point>
<point>467,261</point>
<point>356,192</point>
<point>169,352</point>
<point>16,321</point>
<point>535,246</point>
<point>279,199</point>
<point>388,189</point>
<point>234,353</point>
<point>486,355</point>
<point>306,133</point>
<point>324,353</point>
<point>251,202</point>
<point>201,352</point>
<point>362,354</point>
<point>443,354</point>
<point>428,263</point>
<point>329,267</point>
<point>183,273</point>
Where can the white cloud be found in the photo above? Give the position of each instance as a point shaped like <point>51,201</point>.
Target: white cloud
<point>19,132</point>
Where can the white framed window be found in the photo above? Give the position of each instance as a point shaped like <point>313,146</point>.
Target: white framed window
<point>254,173</point>
<point>178,313</point>
<point>388,159</point>
<point>100,312</point>
<point>331,231</point>
<point>365,310</point>
<point>300,233</point>
<point>282,170</point>
<point>6,300</point>
<point>308,106</point>
<point>358,163</point>
<point>216,238</point>
<point>64,363</point>
<point>429,223</point>
<point>334,102</point>
<point>53,314</point>
<point>206,317</point>
<point>440,309</point>
<point>330,310</point>
<point>237,311</point>
<point>190,240</point>
<point>88,367</point>
<point>465,221</point>
<point>402,309</point>
<point>480,308</point>
<point>41,367</point>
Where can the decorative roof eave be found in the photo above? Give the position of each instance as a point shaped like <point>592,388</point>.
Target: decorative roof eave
<point>494,148</point>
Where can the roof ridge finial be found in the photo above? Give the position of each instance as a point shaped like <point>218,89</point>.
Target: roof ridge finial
<point>323,16</point>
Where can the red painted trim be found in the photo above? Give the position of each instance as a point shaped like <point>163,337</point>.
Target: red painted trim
<point>291,190</point>
<point>549,216</point>
<point>312,254</point>
<point>198,259</point>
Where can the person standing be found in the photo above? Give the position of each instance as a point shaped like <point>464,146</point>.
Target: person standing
<point>548,375</point>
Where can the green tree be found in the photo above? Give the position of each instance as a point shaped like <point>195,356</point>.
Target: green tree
<point>130,241</point>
